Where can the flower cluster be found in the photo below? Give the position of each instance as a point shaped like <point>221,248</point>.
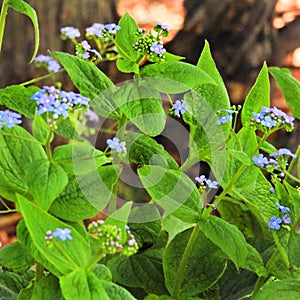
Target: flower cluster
<point>151,44</point>
<point>69,32</point>
<point>269,118</point>
<point>85,51</point>
<point>112,239</point>
<point>104,32</point>
<point>9,118</point>
<point>179,107</point>
<point>278,160</point>
<point>115,144</point>
<point>204,182</point>
<point>57,103</point>
<point>62,234</point>
<point>275,222</point>
<point>225,115</point>
<point>45,60</point>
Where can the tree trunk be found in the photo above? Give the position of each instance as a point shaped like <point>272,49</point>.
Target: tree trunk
<point>52,14</point>
<point>241,35</point>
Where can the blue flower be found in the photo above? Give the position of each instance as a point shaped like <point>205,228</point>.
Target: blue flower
<point>162,26</point>
<point>202,179</point>
<point>286,219</point>
<point>95,29</point>
<point>274,223</point>
<point>70,32</point>
<point>260,160</point>
<point>112,28</point>
<point>52,64</point>
<point>284,152</point>
<point>212,184</point>
<point>61,109</point>
<point>224,119</point>
<point>9,118</point>
<point>157,48</point>
<point>115,144</point>
<point>62,234</point>
<point>268,122</point>
<point>283,209</point>
<point>272,191</point>
<point>180,107</point>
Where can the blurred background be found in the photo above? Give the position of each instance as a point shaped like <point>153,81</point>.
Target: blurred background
<point>242,34</point>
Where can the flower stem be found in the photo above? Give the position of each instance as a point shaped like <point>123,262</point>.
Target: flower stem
<point>95,259</point>
<point>3,14</point>
<point>40,78</point>
<point>183,262</point>
<point>39,272</point>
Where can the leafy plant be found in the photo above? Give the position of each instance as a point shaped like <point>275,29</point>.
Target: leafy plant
<point>225,234</point>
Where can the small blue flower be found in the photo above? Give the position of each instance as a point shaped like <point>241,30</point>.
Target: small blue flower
<point>283,209</point>
<point>112,28</point>
<point>260,160</point>
<point>61,109</point>
<point>62,234</point>
<point>268,122</point>
<point>9,118</point>
<point>286,219</point>
<point>95,29</point>
<point>157,48</point>
<point>274,223</point>
<point>212,184</point>
<point>70,32</point>
<point>52,64</point>
<point>224,119</point>
<point>284,152</point>
<point>180,107</point>
<point>272,191</point>
<point>162,26</point>
<point>202,179</point>
<point>115,144</point>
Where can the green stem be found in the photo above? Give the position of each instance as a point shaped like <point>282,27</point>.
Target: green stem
<point>290,176</point>
<point>3,14</point>
<point>40,78</point>
<point>39,272</point>
<point>183,262</point>
<point>48,146</point>
<point>95,259</point>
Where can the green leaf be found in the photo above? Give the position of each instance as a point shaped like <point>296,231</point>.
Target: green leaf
<point>38,222</point>
<point>47,288</point>
<point>172,57</point>
<point>283,289</point>
<point>41,130</point>
<point>246,139</point>
<point>127,66</point>
<point>207,64</point>
<point>25,9</point>
<point>241,156</point>
<point>116,292</point>
<point>140,270</point>
<point>16,258</point>
<point>17,149</point>
<point>173,226</point>
<point>45,180</point>
<point>75,285</point>
<point>96,288</point>
<point>126,38</point>
<point>86,193</point>
<point>17,98</point>
<point>289,86</point>
<point>102,272</point>
<point>258,96</point>
<point>89,80</point>
<point>27,242</point>
<point>65,128</point>
<point>266,146</point>
<point>142,105</point>
<point>175,77</point>
<point>227,237</point>
<point>81,156</point>
<point>173,191</point>
<point>202,269</point>
<point>11,284</point>
<point>143,150</point>
<point>260,200</point>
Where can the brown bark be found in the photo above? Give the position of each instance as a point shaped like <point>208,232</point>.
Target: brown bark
<point>52,14</point>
